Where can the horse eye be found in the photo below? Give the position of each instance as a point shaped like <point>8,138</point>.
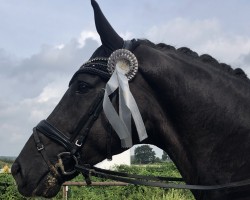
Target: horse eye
<point>82,87</point>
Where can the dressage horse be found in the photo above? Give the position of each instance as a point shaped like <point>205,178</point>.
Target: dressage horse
<point>193,107</point>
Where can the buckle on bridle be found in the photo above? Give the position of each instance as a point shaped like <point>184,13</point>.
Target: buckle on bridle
<point>61,165</point>
<point>77,143</point>
<point>39,147</point>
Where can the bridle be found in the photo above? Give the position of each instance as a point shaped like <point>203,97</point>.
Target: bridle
<point>74,144</point>
<point>98,66</point>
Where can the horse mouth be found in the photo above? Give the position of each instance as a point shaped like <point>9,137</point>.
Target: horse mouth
<point>48,186</point>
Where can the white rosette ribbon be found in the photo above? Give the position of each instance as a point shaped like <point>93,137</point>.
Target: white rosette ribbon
<point>123,66</point>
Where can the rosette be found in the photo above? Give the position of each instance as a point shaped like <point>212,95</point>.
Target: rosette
<point>123,66</point>
<point>125,61</point>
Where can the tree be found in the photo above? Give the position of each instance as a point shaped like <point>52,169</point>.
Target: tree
<point>157,160</point>
<point>165,156</point>
<point>144,154</point>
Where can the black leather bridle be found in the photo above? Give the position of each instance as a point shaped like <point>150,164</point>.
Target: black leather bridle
<point>73,145</point>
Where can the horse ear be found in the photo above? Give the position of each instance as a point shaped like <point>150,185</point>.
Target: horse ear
<point>109,37</point>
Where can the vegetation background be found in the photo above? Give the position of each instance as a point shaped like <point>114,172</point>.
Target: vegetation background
<point>9,191</point>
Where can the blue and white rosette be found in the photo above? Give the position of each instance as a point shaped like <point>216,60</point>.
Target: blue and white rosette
<point>123,66</point>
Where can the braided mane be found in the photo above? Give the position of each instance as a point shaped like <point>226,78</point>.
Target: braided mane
<point>204,58</point>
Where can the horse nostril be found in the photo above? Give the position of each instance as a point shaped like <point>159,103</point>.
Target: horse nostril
<point>15,168</point>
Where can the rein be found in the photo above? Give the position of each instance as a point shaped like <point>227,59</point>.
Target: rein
<point>153,181</point>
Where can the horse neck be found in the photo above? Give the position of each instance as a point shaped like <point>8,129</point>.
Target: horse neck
<point>160,128</point>
<point>204,108</point>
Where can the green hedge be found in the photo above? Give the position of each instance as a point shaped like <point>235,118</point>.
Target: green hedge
<point>8,188</point>
<point>130,192</point>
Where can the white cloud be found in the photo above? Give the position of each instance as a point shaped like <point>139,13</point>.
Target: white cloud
<point>227,49</point>
<point>18,119</point>
<point>85,35</point>
<point>203,36</point>
<point>182,31</point>
<point>42,105</point>
<point>34,87</point>
<point>88,35</point>
<point>36,84</point>
<point>244,60</point>
<point>127,35</point>
<point>60,46</point>
<point>52,91</point>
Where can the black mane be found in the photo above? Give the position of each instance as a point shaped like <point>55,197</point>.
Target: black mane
<point>204,58</point>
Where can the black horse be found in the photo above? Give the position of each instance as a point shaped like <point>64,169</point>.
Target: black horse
<point>194,108</point>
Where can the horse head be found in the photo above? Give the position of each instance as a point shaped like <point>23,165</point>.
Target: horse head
<point>37,173</point>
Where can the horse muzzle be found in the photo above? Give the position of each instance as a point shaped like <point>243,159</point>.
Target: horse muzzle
<point>47,185</point>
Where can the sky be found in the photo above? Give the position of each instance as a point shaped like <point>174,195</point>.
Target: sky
<point>42,44</point>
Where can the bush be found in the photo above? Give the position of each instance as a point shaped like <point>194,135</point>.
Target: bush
<point>132,192</point>
<point>9,191</point>
<point>8,188</point>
